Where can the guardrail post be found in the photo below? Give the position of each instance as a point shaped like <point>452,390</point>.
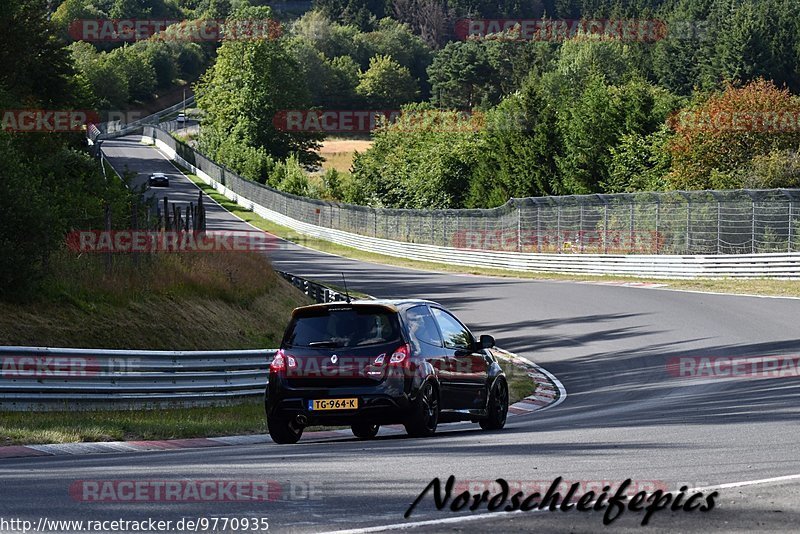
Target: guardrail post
<point>791,230</point>
<point>519,229</point>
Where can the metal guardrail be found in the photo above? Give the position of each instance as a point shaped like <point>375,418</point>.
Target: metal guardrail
<point>42,378</point>
<point>68,379</point>
<point>109,130</point>
<point>318,292</point>
<point>245,193</point>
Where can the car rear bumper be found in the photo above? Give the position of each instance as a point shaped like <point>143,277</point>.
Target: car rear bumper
<point>384,403</point>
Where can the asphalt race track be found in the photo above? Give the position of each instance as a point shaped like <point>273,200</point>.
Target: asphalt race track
<point>624,417</point>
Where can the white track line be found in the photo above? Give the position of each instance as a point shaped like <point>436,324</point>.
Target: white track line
<point>750,483</point>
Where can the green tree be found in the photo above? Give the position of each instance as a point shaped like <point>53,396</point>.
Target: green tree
<point>386,84</point>
<point>461,76</point>
<point>639,163</point>
<point>250,83</point>
<point>520,148</point>
<point>425,159</point>
<point>137,70</point>
<point>105,78</point>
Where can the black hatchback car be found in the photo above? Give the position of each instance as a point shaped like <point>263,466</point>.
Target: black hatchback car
<point>378,362</point>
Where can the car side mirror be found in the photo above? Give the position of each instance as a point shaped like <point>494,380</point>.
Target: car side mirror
<point>486,342</point>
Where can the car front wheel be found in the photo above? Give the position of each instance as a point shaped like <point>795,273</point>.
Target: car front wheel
<point>498,407</point>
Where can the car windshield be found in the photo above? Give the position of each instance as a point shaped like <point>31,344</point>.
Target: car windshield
<point>345,327</point>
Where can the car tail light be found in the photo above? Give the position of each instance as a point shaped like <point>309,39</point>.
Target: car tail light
<point>401,356</point>
<point>380,359</point>
<point>281,361</point>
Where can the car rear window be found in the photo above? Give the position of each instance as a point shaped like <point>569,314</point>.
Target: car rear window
<point>343,327</point>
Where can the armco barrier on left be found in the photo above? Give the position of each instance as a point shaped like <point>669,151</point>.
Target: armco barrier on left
<point>41,378</point>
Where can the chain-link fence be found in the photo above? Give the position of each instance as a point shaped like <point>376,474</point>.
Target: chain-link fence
<point>674,222</point>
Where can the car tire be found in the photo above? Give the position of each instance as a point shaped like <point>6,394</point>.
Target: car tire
<point>282,430</point>
<point>498,407</point>
<point>425,413</point>
<point>365,430</point>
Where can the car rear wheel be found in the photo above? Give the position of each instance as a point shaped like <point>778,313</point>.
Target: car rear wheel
<point>425,416</point>
<point>365,430</point>
<point>282,430</point>
<point>498,407</point>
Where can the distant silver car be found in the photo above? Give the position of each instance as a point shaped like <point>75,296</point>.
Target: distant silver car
<point>158,179</point>
<point>181,118</point>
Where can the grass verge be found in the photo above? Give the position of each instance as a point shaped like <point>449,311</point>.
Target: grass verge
<point>113,425</point>
<point>520,385</point>
<point>756,286</point>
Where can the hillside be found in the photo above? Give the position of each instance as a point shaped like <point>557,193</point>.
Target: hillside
<point>178,302</point>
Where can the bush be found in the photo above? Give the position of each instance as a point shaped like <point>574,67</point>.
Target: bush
<point>709,149</point>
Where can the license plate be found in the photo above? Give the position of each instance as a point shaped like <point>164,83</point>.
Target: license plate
<point>333,404</point>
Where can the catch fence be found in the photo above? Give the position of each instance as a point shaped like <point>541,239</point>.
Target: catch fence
<point>653,223</point>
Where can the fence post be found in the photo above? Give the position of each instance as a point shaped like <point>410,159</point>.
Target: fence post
<point>444,229</point>
<point>167,223</point>
<point>433,223</point>
<point>632,226</point>
<point>135,226</point>
<point>580,231</point>
<point>558,228</point>
<point>791,230</point>
<point>719,227</point>
<point>688,225</point>
<point>519,229</point>
<point>658,221</point>
<point>107,217</point>
<point>605,228</point>
<point>753,229</point>
<point>538,228</point>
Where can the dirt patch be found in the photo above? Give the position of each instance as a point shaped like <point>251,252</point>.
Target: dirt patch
<point>338,146</point>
